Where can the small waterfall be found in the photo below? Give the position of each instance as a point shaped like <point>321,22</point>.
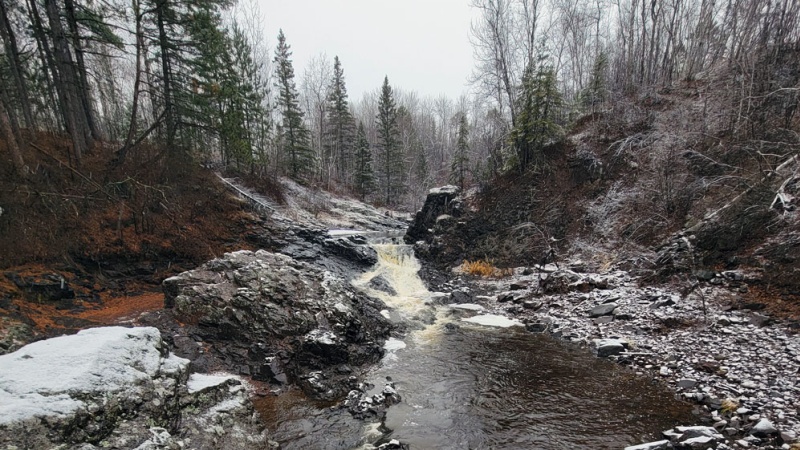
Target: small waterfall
<point>472,386</point>
<point>398,268</point>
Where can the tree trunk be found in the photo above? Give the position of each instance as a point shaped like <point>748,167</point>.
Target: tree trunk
<point>66,84</point>
<point>46,56</point>
<point>12,52</point>
<point>166,74</point>
<point>83,82</point>
<point>123,152</point>
<point>11,140</point>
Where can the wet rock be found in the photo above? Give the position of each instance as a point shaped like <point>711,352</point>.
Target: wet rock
<point>602,310</point>
<point>362,405</point>
<point>537,327</point>
<point>532,305</point>
<point>461,296</point>
<point>379,283</point>
<point>657,445</point>
<point>393,444</point>
<point>352,248</point>
<point>251,307</point>
<point>519,285</point>
<point>505,297</point>
<point>440,201</point>
<point>686,383</point>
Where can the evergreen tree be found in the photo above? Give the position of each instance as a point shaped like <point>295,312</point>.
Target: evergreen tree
<point>596,92</point>
<point>538,108</point>
<point>297,154</point>
<point>363,177</point>
<point>340,134</point>
<point>459,167</point>
<point>392,164</point>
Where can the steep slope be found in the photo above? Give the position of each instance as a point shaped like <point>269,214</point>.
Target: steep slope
<point>656,185</point>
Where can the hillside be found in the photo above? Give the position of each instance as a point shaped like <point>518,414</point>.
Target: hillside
<point>656,185</point>
<point>86,247</point>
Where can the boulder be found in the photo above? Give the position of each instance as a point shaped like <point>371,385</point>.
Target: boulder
<point>43,287</point>
<point>763,428</point>
<point>657,445</point>
<point>120,386</point>
<point>609,347</point>
<point>267,314</point>
<point>602,310</point>
<point>442,201</point>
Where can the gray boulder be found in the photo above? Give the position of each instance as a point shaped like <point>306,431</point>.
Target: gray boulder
<point>119,386</point>
<point>266,314</point>
<point>602,310</point>
<point>609,347</point>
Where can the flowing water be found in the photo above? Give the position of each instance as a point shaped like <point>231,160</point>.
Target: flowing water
<point>469,386</point>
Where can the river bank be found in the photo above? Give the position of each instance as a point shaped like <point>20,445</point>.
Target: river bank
<point>738,365</point>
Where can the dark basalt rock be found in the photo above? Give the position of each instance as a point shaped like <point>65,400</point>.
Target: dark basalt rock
<point>48,287</point>
<point>443,201</point>
<point>379,283</point>
<point>279,319</point>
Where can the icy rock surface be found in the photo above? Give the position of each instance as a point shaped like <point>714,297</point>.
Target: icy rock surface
<point>118,387</point>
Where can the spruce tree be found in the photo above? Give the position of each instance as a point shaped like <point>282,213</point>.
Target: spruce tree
<point>538,106</point>
<point>459,167</point>
<point>340,133</point>
<point>596,93</point>
<point>392,164</point>
<point>363,177</point>
<point>297,154</point>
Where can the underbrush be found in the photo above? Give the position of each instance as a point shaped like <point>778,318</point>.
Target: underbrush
<point>104,214</point>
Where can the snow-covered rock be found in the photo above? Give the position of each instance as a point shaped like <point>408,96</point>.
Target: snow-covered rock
<point>119,386</point>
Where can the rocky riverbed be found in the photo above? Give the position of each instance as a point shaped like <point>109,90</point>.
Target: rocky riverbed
<point>738,365</point>
<point>289,316</point>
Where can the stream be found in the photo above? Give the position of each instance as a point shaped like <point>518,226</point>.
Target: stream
<point>478,385</point>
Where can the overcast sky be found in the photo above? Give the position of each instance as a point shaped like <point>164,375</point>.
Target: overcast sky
<point>422,45</point>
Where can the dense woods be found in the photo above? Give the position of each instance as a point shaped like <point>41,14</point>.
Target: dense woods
<point>181,83</point>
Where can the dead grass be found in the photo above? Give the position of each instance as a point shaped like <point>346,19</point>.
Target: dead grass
<point>484,269</point>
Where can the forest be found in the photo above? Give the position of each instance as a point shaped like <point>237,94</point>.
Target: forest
<point>176,83</point>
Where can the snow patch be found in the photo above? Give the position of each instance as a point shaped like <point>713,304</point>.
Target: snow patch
<point>200,381</point>
<point>344,232</point>
<point>493,320</point>
<point>468,306</point>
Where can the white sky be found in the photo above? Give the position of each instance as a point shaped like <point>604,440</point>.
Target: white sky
<point>422,45</point>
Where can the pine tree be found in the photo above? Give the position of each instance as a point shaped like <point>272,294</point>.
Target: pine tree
<point>340,133</point>
<point>392,164</point>
<point>363,177</point>
<point>538,107</point>
<point>596,92</point>
<point>297,154</point>
<point>459,167</point>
